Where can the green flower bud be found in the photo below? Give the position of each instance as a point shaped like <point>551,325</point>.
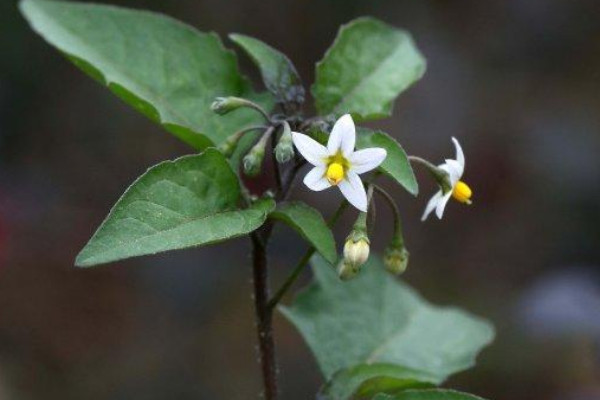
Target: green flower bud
<point>223,105</point>
<point>229,145</point>
<point>395,259</point>
<point>252,161</point>
<point>347,271</point>
<point>284,151</point>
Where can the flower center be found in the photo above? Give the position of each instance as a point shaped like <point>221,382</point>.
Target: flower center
<point>462,192</point>
<point>335,173</point>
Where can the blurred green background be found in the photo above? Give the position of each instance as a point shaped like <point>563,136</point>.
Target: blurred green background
<point>516,81</point>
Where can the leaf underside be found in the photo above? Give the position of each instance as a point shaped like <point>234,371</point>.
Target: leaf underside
<point>278,73</point>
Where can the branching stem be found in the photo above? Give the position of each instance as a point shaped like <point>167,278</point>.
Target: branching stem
<point>303,261</point>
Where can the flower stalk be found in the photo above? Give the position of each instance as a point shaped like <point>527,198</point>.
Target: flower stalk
<point>225,105</point>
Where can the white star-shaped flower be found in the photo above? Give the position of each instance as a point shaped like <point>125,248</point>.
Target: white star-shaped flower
<point>457,188</point>
<point>338,164</point>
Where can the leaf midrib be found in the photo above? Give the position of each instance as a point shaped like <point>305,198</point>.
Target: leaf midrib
<point>166,231</point>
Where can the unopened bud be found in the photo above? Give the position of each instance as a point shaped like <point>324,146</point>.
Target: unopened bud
<point>229,145</point>
<point>252,163</point>
<point>347,271</point>
<point>356,249</point>
<point>395,259</point>
<point>253,160</point>
<point>284,151</point>
<point>223,105</point>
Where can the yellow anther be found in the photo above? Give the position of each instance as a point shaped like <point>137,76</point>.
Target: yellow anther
<point>335,173</point>
<point>462,192</point>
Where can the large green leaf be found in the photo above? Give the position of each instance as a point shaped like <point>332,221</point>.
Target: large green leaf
<point>396,164</point>
<point>310,224</point>
<point>278,72</point>
<point>188,202</point>
<point>167,70</point>
<point>367,67</point>
<point>376,319</point>
<point>428,394</point>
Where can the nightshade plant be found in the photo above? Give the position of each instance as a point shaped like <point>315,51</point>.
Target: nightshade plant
<point>372,335</point>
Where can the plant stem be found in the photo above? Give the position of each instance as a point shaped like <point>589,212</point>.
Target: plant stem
<point>264,313</point>
<point>276,169</point>
<point>396,213</point>
<point>264,316</point>
<point>303,261</point>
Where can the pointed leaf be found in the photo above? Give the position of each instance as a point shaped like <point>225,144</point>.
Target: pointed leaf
<point>310,224</point>
<point>278,72</point>
<point>376,319</point>
<point>367,67</point>
<point>188,202</point>
<point>165,69</point>
<point>428,394</point>
<point>396,164</point>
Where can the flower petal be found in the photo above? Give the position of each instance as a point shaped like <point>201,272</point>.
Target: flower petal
<point>454,169</point>
<point>460,156</point>
<point>362,161</point>
<point>353,190</point>
<point>342,136</point>
<point>441,205</point>
<point>314,152</point>
<point>316,180</point>
<point>432,204</point>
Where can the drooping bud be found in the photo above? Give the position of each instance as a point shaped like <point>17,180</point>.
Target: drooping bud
<point>223,105</point>
<point>284,151</point>
<point>356,249</point>
<point>347,271</point>
<point>395,259</point>
<point>229,145</point>
<point>253,160</point>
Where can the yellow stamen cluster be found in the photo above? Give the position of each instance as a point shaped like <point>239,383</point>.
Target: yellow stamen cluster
<point>462,192</point>
<point>335,173</point>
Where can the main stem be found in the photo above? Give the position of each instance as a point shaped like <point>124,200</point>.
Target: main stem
<point>264,317</point>
<point>264,313</point>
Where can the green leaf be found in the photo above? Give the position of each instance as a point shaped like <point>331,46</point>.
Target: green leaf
<point>428,394</point>
<point>376,319</point>
<point>188,202</point>
<point>396,164</point>
<point>367,67</point>
<point>165,69</point>
<point>365,380</point>
<point>310,224</point>
<point>278,72</point>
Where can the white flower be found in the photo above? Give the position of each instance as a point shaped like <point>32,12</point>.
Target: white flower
<point>338,164</point>
<point>458,189</point>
